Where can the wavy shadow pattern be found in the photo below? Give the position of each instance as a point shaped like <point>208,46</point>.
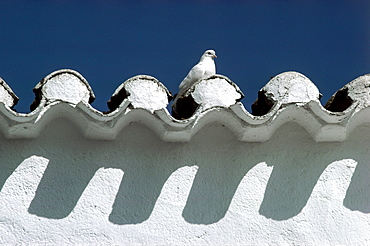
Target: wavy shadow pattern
<point>147,163</point>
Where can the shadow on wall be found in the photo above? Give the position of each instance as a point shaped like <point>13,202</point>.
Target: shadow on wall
<point>358,192</point>
<point>72,164</point>
<point>148,162</point>
<point>218,176</point>
<point>298,163</point>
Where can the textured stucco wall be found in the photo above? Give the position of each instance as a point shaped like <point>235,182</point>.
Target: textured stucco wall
<point>61,188</point>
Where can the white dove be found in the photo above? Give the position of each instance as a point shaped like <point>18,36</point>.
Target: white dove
<point>205,68</point>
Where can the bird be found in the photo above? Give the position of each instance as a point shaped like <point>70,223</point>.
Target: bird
<point>205,68</point>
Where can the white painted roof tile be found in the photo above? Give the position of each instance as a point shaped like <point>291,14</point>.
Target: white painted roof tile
<point>288,97</point>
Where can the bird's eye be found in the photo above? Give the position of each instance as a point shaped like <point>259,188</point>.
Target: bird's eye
<point>209,53</point>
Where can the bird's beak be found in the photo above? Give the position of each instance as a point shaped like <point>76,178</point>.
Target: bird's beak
<point>214,56</point>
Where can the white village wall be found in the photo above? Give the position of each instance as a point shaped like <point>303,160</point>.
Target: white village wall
<point>63,188</point>
<point>292,172</point>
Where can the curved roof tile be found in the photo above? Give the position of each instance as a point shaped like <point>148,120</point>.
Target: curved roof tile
<point>290,97</point>
<point>64,85</point>
<point>7,96</point>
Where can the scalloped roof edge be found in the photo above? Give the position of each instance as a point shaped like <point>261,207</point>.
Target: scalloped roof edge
<point>323,125</point>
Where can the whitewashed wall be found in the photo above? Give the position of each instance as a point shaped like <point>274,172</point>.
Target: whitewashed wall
<point>62,188</point>
<point>292,172</point>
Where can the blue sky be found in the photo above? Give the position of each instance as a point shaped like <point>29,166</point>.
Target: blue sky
<point>111,41</point>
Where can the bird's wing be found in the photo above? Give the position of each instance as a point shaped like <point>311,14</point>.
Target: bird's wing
<point>193,76</point>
